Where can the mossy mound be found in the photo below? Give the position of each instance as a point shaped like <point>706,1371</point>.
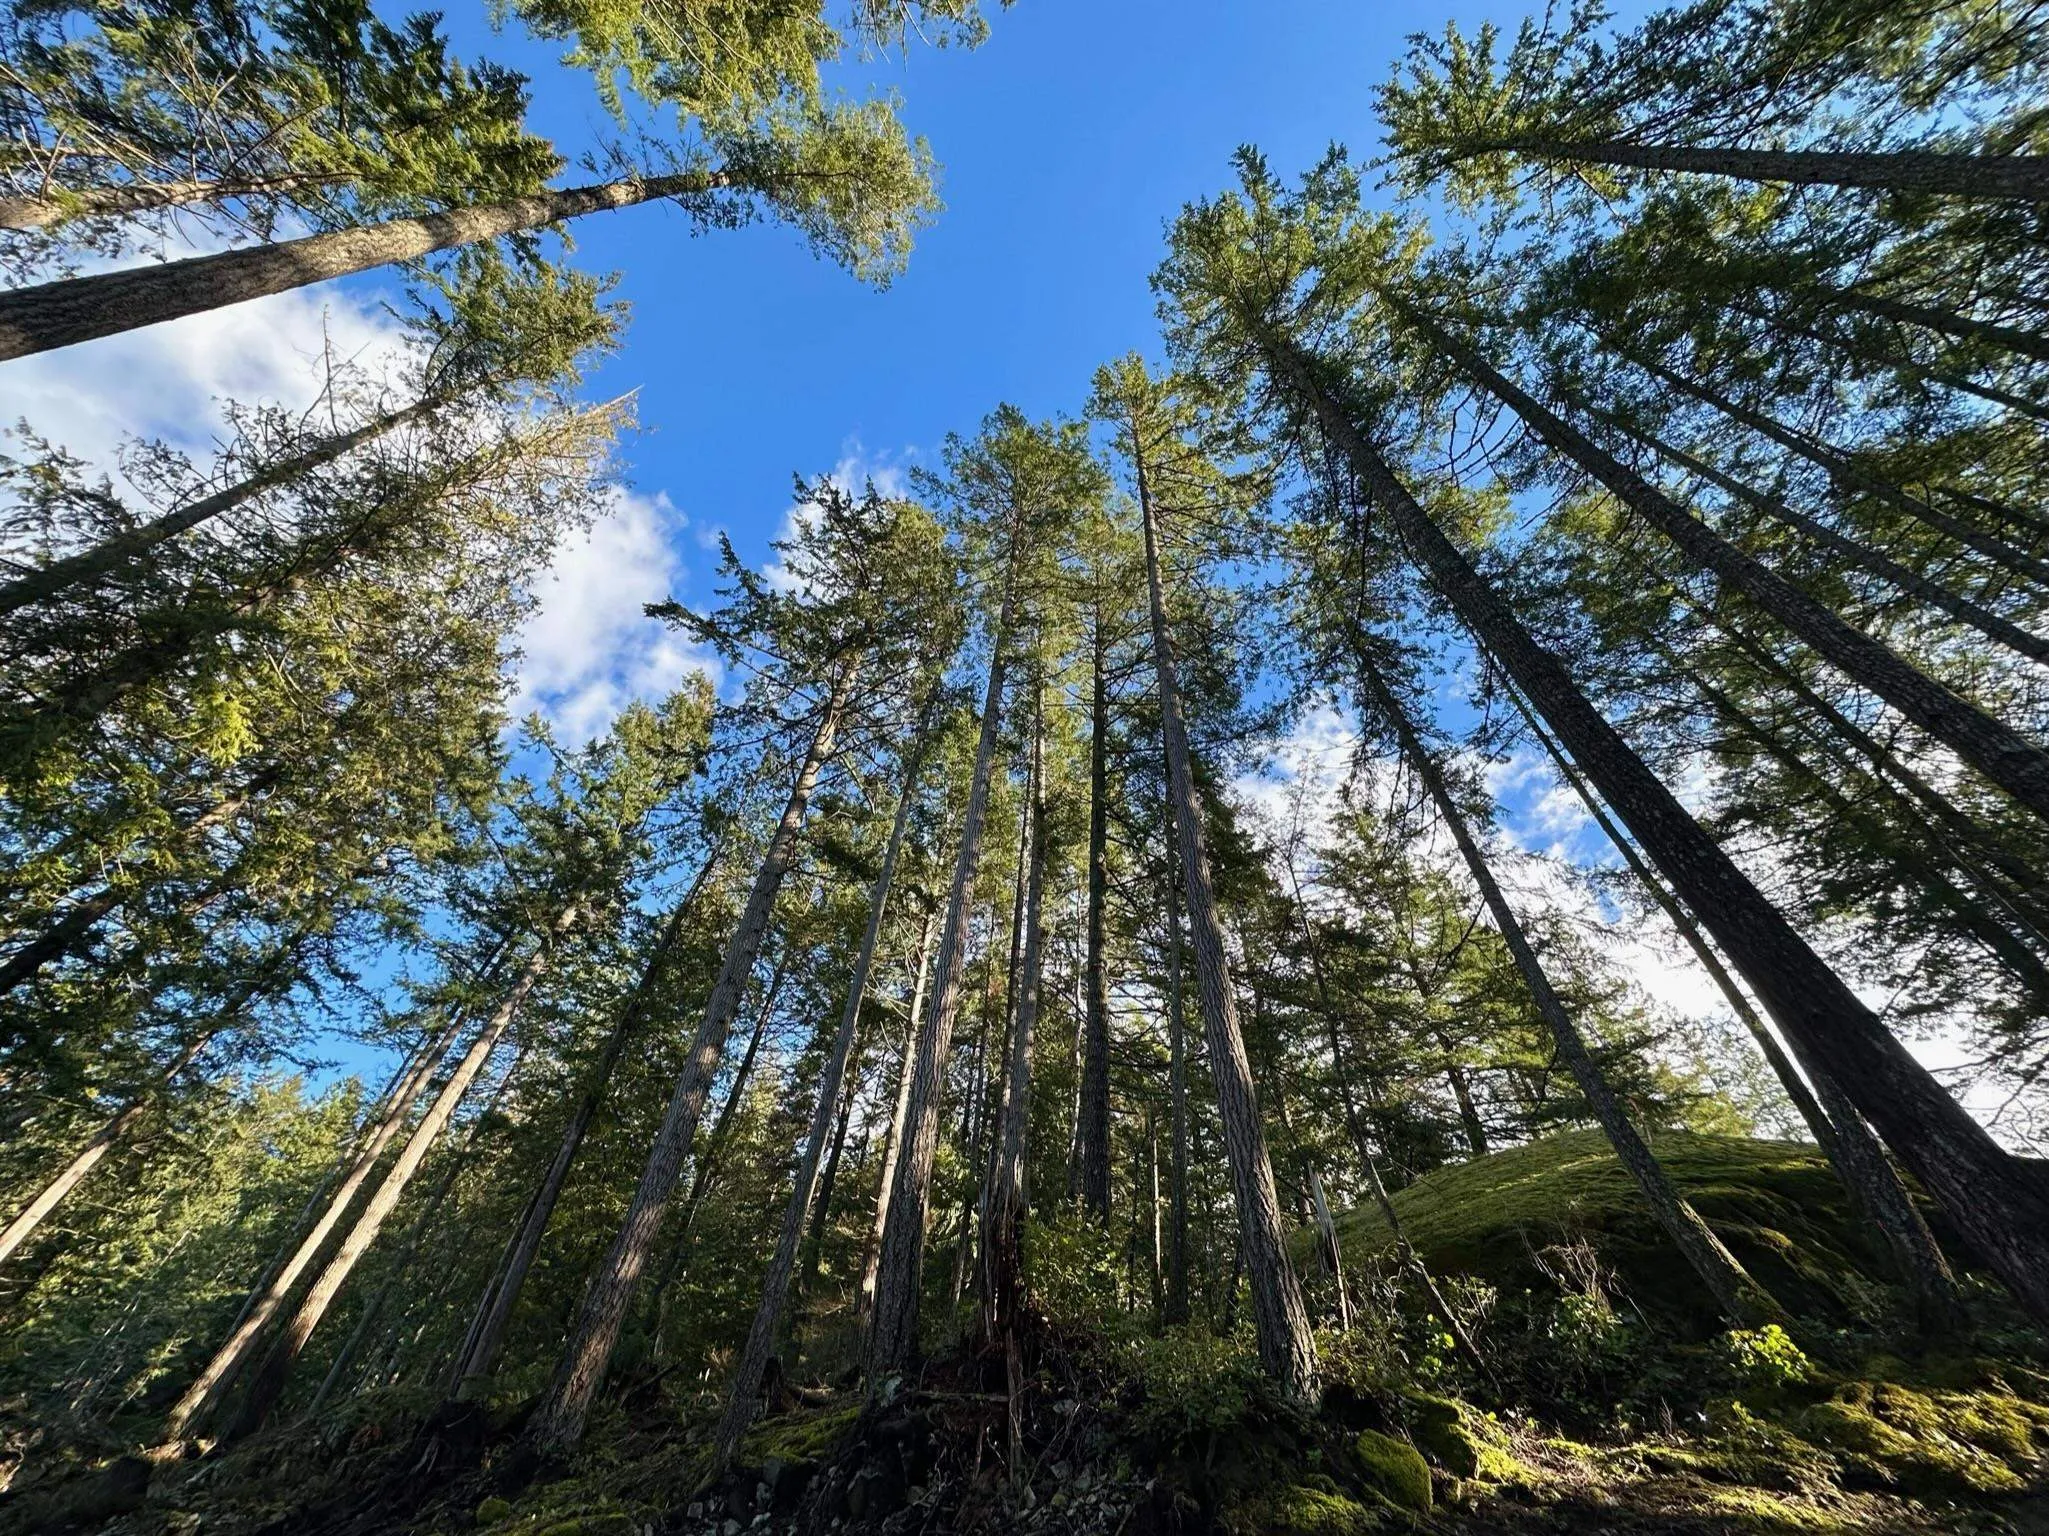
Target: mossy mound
<point>1394,1469</point>
<point>1776,1203</point>
<point>1465,1442</point>
<point>1313,1507</point>
<point>1931,1443</point>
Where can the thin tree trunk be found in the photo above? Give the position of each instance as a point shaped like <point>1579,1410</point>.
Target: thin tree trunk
<point>864,1298</point>
<point>1354,1124</point>
<point>813,1248</point>
<point>1742,1299</point>
<point>1867,1174</point>
<point>558,1426</point>
<point>204,1396</point>
<point>893,1335</point>
<point>711,1161</point>
<point>47,581</point>
<point>269,1382</point>
<point>2002,754</point>
<point>89,1156</point>
<point>1998,1204</point>
<point>1159,1254</point>
<point>75,309</point>
<point>1092,1122</point>
<point>1934,594</point>
<point>1003,1202</point>
<point>479,1354</point>
<point>33,211</point>
<point>2005,338</point>
<point>2025,177</point>
<point>1177,1095</point>
<point>1287,1347</point>
<point>1333,1256</point>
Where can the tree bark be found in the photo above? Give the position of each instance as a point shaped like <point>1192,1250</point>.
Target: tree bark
<point>1177,1310</point>
<point>479,1354</point>
<point>2006,338</point>
<point>1934,594</point>
<point>893,1335</point>
<point>269,1382</point>
<point>1003,1199</point>
<point>1287,1347</point>
<point>1998,1203</point>
<point>1092,1123</point>
<point>204,1396</point>
<point>75,309</point>
<point>1867,1175</point>
<point>31,211</point>
<point>1742,1300</point>
<point>47,581</point>
<point>2002,754</point>
<point>558,1425</point>
<point>762,1335</point>
<point>2025,177</point>
<point>864,1298</point>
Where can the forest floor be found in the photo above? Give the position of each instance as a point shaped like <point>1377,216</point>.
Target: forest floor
<point>1611,1408</point>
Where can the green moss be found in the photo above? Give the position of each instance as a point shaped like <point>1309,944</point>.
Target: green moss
<point>1312,1508</point>
<point>494,1511</point>
<point>1395,1470</point>
<point>1466,1442</point>
<point>1924,1443</point>
<point>798,1437</point>
<point>1763,1512</point>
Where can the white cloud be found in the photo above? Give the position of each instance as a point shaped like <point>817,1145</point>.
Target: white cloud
<point>853,474</point>
<point>589,650</point>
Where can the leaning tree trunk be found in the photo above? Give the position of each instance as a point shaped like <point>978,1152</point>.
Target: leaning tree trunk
<point>762,1335</point>
<point>487,1332</point>
<point>1177,1112</point>
<point>2025,177</point>
<point>89,1156</point>
<point>1092,1122</point>
<point>2000,753</point>
<point>1740,1297</point>
<point>75,309</point>
<point>2005,338</point>
<point>864,1296</point>
<point>1839,1131</point>
<point>559,1424</point>
<point>47,581</point>
<point>269,1382</point>
<point>1989,624</point>
<point>893,1333</point>
<point>2000,1205</point>
<point>204,1396</point>
<point>31,210</point>
<point>1003,1200</point>
<point>1287,1347</point>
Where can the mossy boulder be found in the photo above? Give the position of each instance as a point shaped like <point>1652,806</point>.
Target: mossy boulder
<point>1394,1469</point>
<point>1465,1442</point>
<point>1315,1506</point>
<point>1928,1442</point>
<point>494,1511</point>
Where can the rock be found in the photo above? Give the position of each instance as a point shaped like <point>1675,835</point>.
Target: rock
<point>494,1511</point>
<point>1395,1470</point>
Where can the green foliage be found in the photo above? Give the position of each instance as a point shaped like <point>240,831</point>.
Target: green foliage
<point>1765,1358</point>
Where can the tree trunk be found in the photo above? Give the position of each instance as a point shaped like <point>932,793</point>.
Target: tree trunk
<point>75,309</point>
<point>1844,472</point>
<point>2002,754</point>
<point>1177,1096</point>
<point>1287,1348</point>
<point>45,582</point>
<point>558,1425</point>
<point>479,1354</point>
<point>1998,1203</point>
<point>31,211</point>
<point>1092,1122</point>
<point>1741,1299</point>
<point>864,1299</point>
<point>269,1382</point>
<point>1904,170</point>
<point>1934,594</point>
<point>89,1156</point>
<point>1003,1200</point>
<point>893,1336</point>
<point>2005,338</point>
<point>1354,1125</point>
<point>1839,1131</point>
<point>711,1160</point>
<point>1327,1246</point>
<point>204,1396</point>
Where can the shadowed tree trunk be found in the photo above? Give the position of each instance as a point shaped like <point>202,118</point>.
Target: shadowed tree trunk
<point>1859,1161</point>
<point>762,1335</point>
<point>1997,1203</point>
<point>75,309</point>
<point>479,1353</point>
<point>2025,177</point>
<point>1177,1111</point>
<point>864,1298</point>
<point>893,1334</point>
<point>2003,755</point>
<point>1287,1348</point>
<point>269,1382</point>
<point>1092,1119</point>
<point>558,1426</point>
<point>1741,1299</point>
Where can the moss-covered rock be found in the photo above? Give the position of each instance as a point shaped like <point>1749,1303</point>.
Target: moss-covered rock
<point>1924,1443</point>
<point>1394,1469</point>
<point>1466,1442</point>
<point>494,1511</point>
<point>1314,1507</point>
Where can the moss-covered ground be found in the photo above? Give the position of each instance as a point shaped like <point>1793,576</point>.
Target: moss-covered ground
<point>1613,1403</point>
